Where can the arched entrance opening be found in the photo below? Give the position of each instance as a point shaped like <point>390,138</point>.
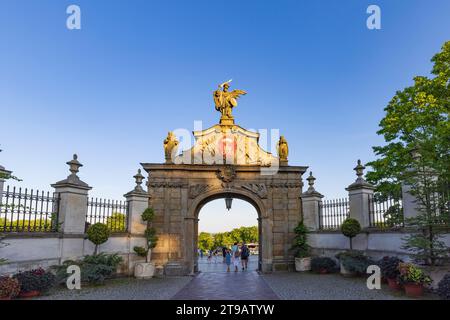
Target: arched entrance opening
<point>220,227</point>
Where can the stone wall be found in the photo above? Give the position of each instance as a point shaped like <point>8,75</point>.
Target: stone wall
<point>32,251</point>
<point>376,243</point>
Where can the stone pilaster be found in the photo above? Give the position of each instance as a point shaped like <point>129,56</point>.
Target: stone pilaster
<point>73,195</point>
<point>310,204</point>
<point>359,193</point>
<point>3,175</point>
<point>137,200</point>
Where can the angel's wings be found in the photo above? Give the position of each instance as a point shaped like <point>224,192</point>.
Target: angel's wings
<point>237,93</point>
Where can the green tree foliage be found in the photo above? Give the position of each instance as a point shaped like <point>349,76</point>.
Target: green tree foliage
<point>416,119</point>
<point>116,222</point>
<point>301,247</point>
<point>98,233</point>
<point>207,241</point>
<point>350,228</point>
<point>416,129</point>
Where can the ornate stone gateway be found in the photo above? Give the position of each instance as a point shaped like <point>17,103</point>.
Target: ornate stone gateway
<point>226,161</point>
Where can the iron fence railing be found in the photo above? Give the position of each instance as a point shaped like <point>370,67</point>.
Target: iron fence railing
<point>113,213</point>
<point>385,212</point>
<point>28,210</point>
<point>332,213</point>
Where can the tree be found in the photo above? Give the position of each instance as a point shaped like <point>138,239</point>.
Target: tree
<point>116,222</point>
<point>416,129</point>
<point>150,235</point>
<point>98,233</point>
<point>350,228</point>
<point>301,247</point>
<point>205,241</point>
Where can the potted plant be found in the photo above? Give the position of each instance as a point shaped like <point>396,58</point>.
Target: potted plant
<point>146,270</point>
<point>443,289</point>
<point>9,288</point>
<point>390,271</point>
<point>301,248</point>
<point>34,282</point>
<point>353,262</point>
<point>323,265</point>
<point>98,233</point>
<point>413,279</point>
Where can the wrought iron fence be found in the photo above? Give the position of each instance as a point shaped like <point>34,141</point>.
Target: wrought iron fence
<point>385,212</point>
<point>28,210</point>
<point>113,213</point>
<point>332,213</point>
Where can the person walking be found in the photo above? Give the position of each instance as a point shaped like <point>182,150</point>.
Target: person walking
<point>224,253</point>
<point>235,256</point>
<point>227,258</point>
<point>245,253</point>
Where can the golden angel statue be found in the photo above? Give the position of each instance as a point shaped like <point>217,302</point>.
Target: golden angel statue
<point>225,101</point>
<point>170,146</point>
<point>283,149</point>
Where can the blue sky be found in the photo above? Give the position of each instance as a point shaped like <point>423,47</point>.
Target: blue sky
<point>136,69</point>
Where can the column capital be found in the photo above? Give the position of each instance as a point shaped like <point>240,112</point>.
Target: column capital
<point>360,182</point>
<point>72,180</point>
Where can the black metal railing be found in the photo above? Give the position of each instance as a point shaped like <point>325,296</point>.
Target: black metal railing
<point>332,213</point>
<point>113,213</point>
<point>28,210</point>
<point>385,212</point>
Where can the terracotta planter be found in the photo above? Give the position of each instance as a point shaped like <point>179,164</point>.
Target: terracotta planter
<point>29,294</point>
<point>413,290</point>
<point>393,284</point>
<point>303,264</point>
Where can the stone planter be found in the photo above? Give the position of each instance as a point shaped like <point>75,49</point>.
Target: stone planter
<point>144,270</point>
<point>303,264</point>
<point>345,272</point>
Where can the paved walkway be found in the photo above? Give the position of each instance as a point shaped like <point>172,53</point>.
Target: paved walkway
<point>217,265</point>
<point>242,285</point>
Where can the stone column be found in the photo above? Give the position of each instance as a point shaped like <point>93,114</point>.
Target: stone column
<point>409,202</point>
<point>310,205</point>
<point>72,211</point>
<point>4,174</point>
<point>359,193</point>
<point>137,200</point>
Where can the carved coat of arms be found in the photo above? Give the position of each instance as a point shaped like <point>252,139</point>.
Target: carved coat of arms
<point>226,173</point>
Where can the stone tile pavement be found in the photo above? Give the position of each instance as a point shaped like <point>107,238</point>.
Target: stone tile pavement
<point>235,286</point>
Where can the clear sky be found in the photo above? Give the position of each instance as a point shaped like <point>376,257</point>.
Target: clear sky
<point>137,69</point>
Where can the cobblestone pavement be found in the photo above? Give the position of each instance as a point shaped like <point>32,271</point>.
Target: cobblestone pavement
<point>242,285</point>
<point>309,286</point>
<point>124,288</point>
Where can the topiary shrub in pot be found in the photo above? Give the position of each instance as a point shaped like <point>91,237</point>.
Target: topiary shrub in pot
<point>354,262</point>
<point>390,271</point>
<point>323,265</point>
<point>9,288</point>
<point>350,228</point>
<point>34,282</point>
<point>301,248</point>
<point>413,279</point>
<point>98,233</point>
<point>443,289</point>
<point>146,270</point>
